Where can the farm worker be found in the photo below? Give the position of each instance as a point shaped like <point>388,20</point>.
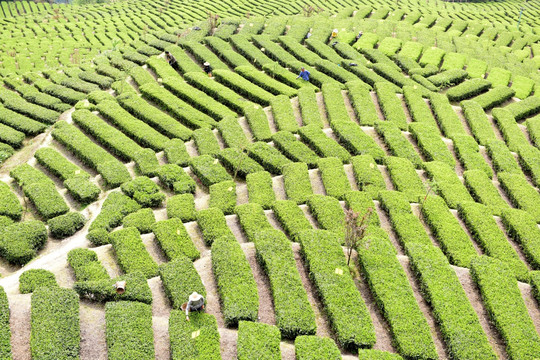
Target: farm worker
<point>334,33</point>
<point>304,74</point>
<point>170,59</point>
<point>308,35</point>
<point>207,68</point>
<point>195,303</point>
<point>359,35</point>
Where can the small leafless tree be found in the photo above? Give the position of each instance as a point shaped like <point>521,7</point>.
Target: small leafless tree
<point>431,187</point>
<point>213,21</point>
<point>355,230</point>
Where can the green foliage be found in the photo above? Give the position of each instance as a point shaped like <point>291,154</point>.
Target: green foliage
<point>368,354</point>
<point>258,341</point>
<point>322,144</point>
<point>5,332</point>
<point>512,134</point>
<point>457,319</point>
<point>501,158</point>
<point>367,175</point>
<point>275,255</point>
<point>237,161</point>
<point>308,107</point>
<point>449,187</point>
<point>405,178</point>
<point>212,223</point>
<point>445,115</point>
<point>529,159</point>
<point>521,227</point>
<point>129,330</point>
<point>448,77</point>
<point>33,279</point>
<point>231,132</point>
<point>468,89</point>
<point>391,105</point>
<point>176,179</point>
<point>294,149</point>
<point>355,140</point>
<point>174,240</point>
<point>178,291</point>
<point>296,182</point>
<point>209,170</point>
<point>19,242</point>
<point>142,220</point>
<point>103,290</point>
<point>346,310</point>
<point>182,207</point>
<point>498,288</point>
<point>334,103</point>
<point>196,339</point>
<point>269,157</point>
<point>265,82</point>
<point>482,190</point>
<point>131,253</point>
<point>147,162</point>
<point>397,143</point>
<point>223,196</point>
<point>9,203</point>
<point>494,97</point>
<point>291,218</point>
<point>419,110</point>
<point>328,213</point>
<point>206,142</point>
<point>236,286</point>
<point>362,102</point>
<point>86,266</point>
<point>333,176</point>
<point>521,193</point>
<point>430,143</point>
<point>144,191</point>
<point>523,109</point>
<point>469,155</point>
<point>260,191</point>
<point>309,347</point>
<point>252,219</point>
<point>243,86</point>
<point>390,285</point>
<point>489,236</point>
<point>64,226</point>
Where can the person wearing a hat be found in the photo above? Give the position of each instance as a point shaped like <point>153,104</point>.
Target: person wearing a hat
<point>304,74</point>
<point>207,68</point>
<point>195,303</point>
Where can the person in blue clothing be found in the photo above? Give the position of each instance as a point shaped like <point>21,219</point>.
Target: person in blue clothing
<point>304,74</point>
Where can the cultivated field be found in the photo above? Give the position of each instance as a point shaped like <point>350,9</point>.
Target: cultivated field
<point>118,165</point>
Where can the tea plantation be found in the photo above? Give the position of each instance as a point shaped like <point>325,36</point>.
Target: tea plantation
<point>125,159</point>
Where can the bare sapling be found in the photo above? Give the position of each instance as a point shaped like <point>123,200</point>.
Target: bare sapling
<point>355,230</point>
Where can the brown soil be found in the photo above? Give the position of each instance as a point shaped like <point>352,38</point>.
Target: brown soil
<point>93,341</point>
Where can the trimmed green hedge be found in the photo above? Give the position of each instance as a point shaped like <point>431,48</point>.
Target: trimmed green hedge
<point>361,202</point>
<point>269,157</point>
<point>231,132</point>
<point>362,102</point>
<point>196,339</point>
<point>453,240</point>
<point>328,213</point>
<point>521,227</point>
<point>174,240</point>
<point>258,341</point>
<point>9,203</point>
<point>20,122</point>
<point>521,193</point>
<point>206,142</point>
<point>512,134</point>
<point>212,223</point>
<point>296,182</point>
<point>468,89</point>
<point>419,110</point>
<point>334,103</point>
<point>431,144</point>
<point>308,347</point>
<point>501,157</point>
<point>252,219</point>
<point>377,355</point>
<point>142,220</point>
<point>367,174</point>
<point>236,160</point>
<point>129,331</point>
<point>393,293</point>
<point>64,226</point>
<point>355,140</point>
<point>223,196</point>
<point>478,122</point>
<point>235,282</point>
<point>346,310</point>
<point>57,164</point>
<point>33,279</point>
<point>274,253</point>
<point>333,176</point>
<point>490,237</point>
<point>294,149</point>
<point>178,291</point>
<point>243,86</point>
<point>322,144</point>
<point>131,253</point>
<point>144,191</point>
<point>265,81</point>
<point>469,155</point>
<point>448,77</point>
<point>182,207</point>
<point>499,288</point>
<point>103,290</point>
<point>260,191</point>
<point>86,266</point>
<point>209,170</point>
<point>494,97</point>
<point>309,108</point>
<point>482,190</point>
<point>529,159</point>
<point>459,323</point>
<point>405,178</point>
<point>291,218</point>
<point>447,183</point>
<point>397,144</point>
<point>391,105</point>
<point>523,109</point>
<point>176,179</point>
<point>5,332</point>
<point>19,242</point>
<point>445,115</point>
<point>55,331</point>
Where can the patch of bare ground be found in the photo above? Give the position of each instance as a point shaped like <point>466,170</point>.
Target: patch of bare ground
<point>266,306</point>
<point>511,241</point>
<point>92,323</point>
<point>287,351</point>
<point>19,322</point>
<point>278,185</point>
<point>153,248</point>
<point>348,105</point>
<point>160,302</point>
<point>270,117</point>
<point>450,145</point>
<point>160,325</point>
<point>309,216</point>
<point>531,304</point>
<point>196,236</point>
<point>316,182</point>
<point>386,176</point>
<point>204,268</point>
<point>377,105</point>
<point>469,234</point>
<point>459,111</point>
<point>296,110</point>
<point>236,228</point>
<point>107,258</point>
<point>417,211</point>
<point>426,310</point>
<point>473,294</point>
<point>350,176</point>
<point>228,340</point>
<point>322,109</point>
<point>370,130</point>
